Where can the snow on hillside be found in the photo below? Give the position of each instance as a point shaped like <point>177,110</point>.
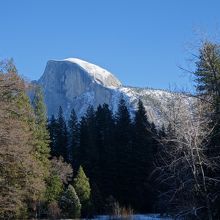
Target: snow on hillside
<point>155,101</point>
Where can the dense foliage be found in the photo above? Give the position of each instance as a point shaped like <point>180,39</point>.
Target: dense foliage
<point>117,153</point>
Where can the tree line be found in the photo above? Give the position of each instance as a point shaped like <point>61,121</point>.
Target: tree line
<point>116,152</point>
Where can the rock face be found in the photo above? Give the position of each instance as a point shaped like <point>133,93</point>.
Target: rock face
<point>74,83</point>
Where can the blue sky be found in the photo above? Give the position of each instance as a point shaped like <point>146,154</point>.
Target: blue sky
<point>142,42</point>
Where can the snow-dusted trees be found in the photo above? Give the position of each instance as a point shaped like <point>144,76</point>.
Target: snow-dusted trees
<point>182,159</point>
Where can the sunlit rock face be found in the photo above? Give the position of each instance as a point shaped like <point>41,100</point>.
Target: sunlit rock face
<point>73,83</point>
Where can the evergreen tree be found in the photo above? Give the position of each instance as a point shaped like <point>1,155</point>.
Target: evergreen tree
<point>82,186</point>
<point>143,150</point>
<point>88,152</point>
<point>61,136</point>
<point>54,188</point>
<point>82,155</point>
<point>97,199</point>
<point>96,148</point>
<point>73,138</point>
<point>70,203</point>
<point>52,127</point>
<point>155,135</point>
<point>105,143</point>
<point>41,132</point>
<point>208,72</point>
<point>123,140</point>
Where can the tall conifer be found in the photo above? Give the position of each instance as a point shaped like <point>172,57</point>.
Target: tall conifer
<point>123,148</point>
<point>61,136</point>
<point>41,132</point>
<point>73,138</point>
<point>143,149</point>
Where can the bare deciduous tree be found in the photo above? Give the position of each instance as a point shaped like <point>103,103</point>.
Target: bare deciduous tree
<point>182,161</point>
<point>62,169</point>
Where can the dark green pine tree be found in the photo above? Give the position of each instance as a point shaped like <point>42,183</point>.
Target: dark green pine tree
<point>143,158</point>
<point>97,200</point>
<point>106,148</point>
<point>96,150</point>
<point>208,71</point>
<point>208,82</point>
<point>41,132</point>
<point>81,157</point>
<point>52,127</point>
<point>155,138</point>
<point>61,136</point>
<point>88,153</point>
<point>123,134</point>
<point>73,138</point>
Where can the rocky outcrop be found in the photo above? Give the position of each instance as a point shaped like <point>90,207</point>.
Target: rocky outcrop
<point>73,83</point>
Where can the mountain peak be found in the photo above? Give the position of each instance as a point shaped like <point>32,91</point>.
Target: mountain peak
<point>100,75</point>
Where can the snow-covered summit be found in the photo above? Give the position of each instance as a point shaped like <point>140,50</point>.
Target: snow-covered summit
<point>100,75</point>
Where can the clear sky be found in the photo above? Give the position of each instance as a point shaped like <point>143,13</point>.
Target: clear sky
<point>142,42</point>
